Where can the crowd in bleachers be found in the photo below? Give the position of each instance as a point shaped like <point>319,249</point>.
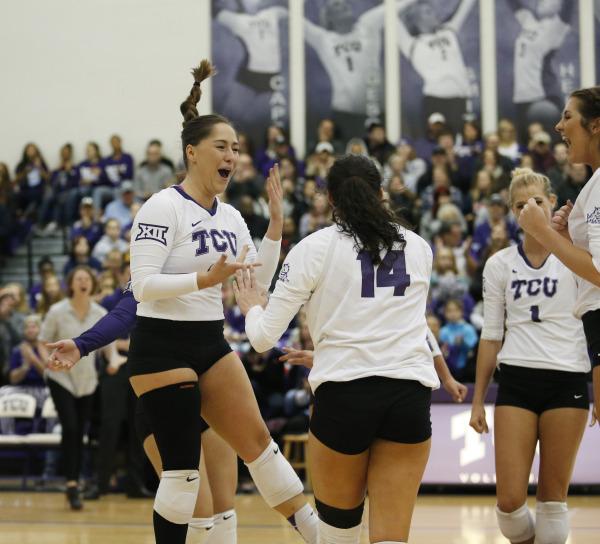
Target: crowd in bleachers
<point>452,187</point>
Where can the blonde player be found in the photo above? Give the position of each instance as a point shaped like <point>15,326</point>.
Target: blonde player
<point>575,236</point>
<point>539,346</point>
<point>364,284</point>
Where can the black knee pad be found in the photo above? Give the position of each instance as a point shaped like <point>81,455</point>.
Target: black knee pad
<point>338,517</point>
<point>142,427</point>
<point>173,413</point>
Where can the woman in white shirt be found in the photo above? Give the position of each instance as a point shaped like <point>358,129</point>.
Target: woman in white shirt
<point>364,282</point>
<point>530,332</point>
<point>182,238</point>
<point>574,236</point>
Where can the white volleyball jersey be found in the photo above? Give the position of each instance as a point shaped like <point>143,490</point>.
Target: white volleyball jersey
<point>537,38</point>
<point>364,320</point>
<point>351,60</point>
<point>438,59</point>
<point>260,35</point>
<point>584,229</point>
<point>535,306</point>
<point>172,239</point>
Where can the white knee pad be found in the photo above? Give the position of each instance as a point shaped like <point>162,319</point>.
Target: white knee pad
<point>274,477</point>
<point>517,526</point>
<point>551,523</point>
<point>176,495</point>
<point>198,530</point>
<point>333,535</point>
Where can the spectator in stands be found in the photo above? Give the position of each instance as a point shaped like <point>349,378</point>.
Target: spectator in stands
<point>26,365</point>
<point>452,235</point>
<point>107,284</point>
<point>267,377</point>
<point>246,181</point>
<point>81,255</point>
<point>497,213</point>
<point>32,179</point>
<point>246,144</point>
<point>153,174</point>
<point>434,324</point>
<point>7,212</point>
<point>406,163</point>
<point>438,159</point>
<point>480,195</point>
<point>113,263</point>
<point>87,225</point>
<point>458,338</point>
<point>257,224</point>
<point>541,152</point>
<point>92,177</point>
<point>60,204</point>
<point>468,148</point>
<point>447,143</point>
<point>499,168</point>
<point>327,132</point>
<point>403,200</point>
<point>446,281</point>
<point>508,146</point>
<point>111,240</point>
<point>436,124</point>
<point>45,267</point>
<point>377,143</point>
<point>9,336</point>
<point>118,165</point>
<point>120,207</point>
<point>21,309</point>
<point>441,181</point>
<point>319,163</point>
<point>126,228</point>
<point>492,142</point>
<point>318,217</point>
<point>50,293</point>
<point>577,177</point>
<point>560,171</point>
<point>357,146</point>
<point>72,391</point>
<point>276,147</point>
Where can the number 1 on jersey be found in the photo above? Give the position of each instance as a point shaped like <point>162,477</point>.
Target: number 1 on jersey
<point>391,272</point>
<point>535,314</point>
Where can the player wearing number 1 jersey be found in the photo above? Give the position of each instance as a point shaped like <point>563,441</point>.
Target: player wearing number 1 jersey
<point>364,284</point>
<point>530,332</point>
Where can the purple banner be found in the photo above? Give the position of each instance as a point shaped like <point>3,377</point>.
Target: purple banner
<point>250,51</point>
<point>440,67</point>
<point>344,64</point>
<point>538,60</point>
<point>459,455</point>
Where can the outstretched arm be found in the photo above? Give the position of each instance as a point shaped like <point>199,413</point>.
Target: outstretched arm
<point>404,37</point>
<point>566,12</point>
<point>460,15</point>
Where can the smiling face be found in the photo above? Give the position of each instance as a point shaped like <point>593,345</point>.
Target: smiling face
<point>581,141</point>
<point>214,159</point>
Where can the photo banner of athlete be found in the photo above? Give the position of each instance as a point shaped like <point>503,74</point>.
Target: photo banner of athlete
<point>250,51</point>
<point>439,62</point>
<point>537,59</point>
<point>344,64</point>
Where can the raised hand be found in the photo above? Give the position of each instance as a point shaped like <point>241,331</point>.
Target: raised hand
<point>275,192</point>
<point>248,293</point>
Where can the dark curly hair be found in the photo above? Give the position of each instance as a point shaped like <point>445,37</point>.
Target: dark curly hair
<point>354,186</point>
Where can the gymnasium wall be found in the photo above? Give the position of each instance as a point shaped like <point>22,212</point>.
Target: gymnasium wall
<point>80,70</point>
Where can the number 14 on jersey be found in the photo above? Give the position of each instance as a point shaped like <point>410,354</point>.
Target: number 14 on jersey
<point>391,272</point>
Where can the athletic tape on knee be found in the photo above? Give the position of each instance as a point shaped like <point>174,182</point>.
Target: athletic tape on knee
<point>551,522</point>
<point>274,476</point>
<point>516,526</point>
<point>335,535</point>
<point>176,495</point>
<point>341,518</point>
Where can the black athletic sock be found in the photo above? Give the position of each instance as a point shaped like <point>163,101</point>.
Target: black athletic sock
<point>166,532</point>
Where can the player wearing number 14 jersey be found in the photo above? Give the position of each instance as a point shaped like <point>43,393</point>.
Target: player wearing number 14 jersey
<point>364,283</point>
<point>531,334</point>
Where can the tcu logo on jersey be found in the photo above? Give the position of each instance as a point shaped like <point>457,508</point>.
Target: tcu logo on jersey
<point>221,240</point>
<point>533,287</point>
<point>148,231</point>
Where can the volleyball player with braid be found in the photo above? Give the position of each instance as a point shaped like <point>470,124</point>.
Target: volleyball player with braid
<point>182,238</point>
